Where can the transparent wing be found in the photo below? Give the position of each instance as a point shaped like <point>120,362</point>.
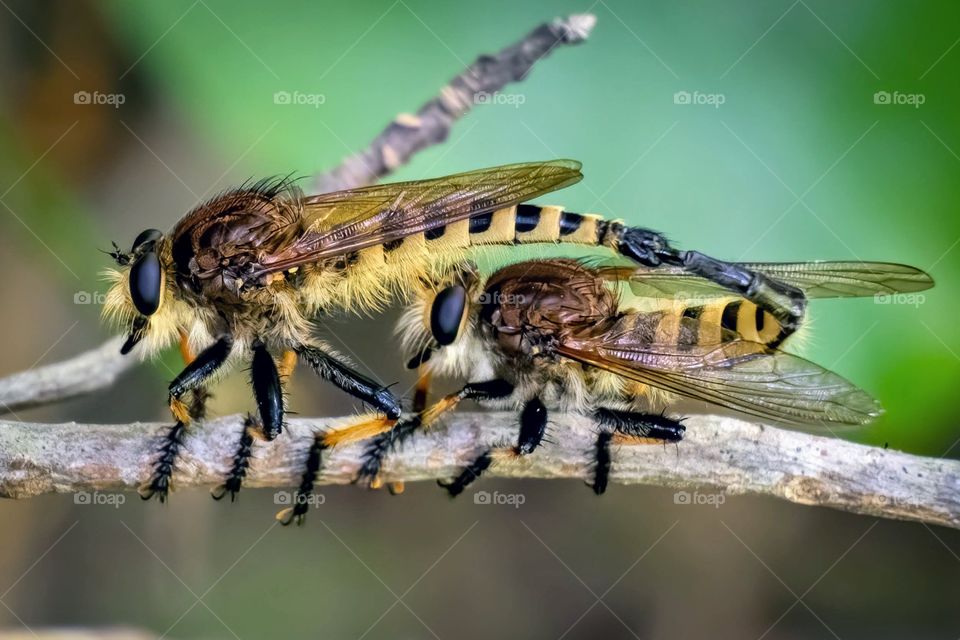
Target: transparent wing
<point>836,279</point>
<point>737,374</point>
<point>343,221</point>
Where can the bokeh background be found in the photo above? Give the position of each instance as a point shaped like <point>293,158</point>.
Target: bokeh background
<point>801,159</point>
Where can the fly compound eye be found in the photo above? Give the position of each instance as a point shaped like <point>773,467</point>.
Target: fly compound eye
<point>146,283</point>
<point>446,314</point>
<point>146,239</point>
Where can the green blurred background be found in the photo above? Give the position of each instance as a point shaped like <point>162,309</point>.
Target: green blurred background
<point>798,162</point>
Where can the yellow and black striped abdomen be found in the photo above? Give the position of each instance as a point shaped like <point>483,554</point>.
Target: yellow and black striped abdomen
<point>721,321</point>
<point>520,224</point>
<point>364,280</point>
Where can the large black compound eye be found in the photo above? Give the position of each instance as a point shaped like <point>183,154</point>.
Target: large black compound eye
<point>146,283</point>
<point>446,314</point>
<point>149,236</point>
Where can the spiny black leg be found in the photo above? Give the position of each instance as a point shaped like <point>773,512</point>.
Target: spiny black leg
<point>194,374</point>
<point>159,483</point>
<point>601,460</point>
<point>354,383</point>
<point>301,498</point>
<point>384,443</point>
<point>267,391</point>
<point>633,425</point>
<point>641,425</point>
<point>469,474</point>
<point>533,424</point>
<point>190,379</point>
<point>379,446</point>
<point>785,302</point>
<point>241,462</point>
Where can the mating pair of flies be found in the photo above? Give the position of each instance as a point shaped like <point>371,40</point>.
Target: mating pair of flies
<point>620,339</point>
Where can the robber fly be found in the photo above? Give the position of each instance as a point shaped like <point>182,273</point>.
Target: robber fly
<point>560,334</point>
<point>244,276</point>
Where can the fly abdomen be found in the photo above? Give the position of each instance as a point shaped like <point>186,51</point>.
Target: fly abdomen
<point>520,224</point>
<point>721,321</point>
<point>750,322</point>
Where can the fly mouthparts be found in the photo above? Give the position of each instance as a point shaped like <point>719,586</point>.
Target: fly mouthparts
<point>137,332</point>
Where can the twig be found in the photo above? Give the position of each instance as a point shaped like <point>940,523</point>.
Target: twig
<point>87,372</point>
<point>719,454</point>
<point>732,456</point>
<point>408,133</point>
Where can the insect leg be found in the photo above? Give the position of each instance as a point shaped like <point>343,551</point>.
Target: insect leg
<point>378,448</point>
<point>628,427</point>
<point>421,396</point>
<point>201,395</point>
<point>194,375</point>
<point>159,483</point>
<point>322,442</point>
<point>190,379</point>
<point>300,502</point>
<point>241,461</point>
<point>288,362</point>
<point>533,424</point>
<point>785,302</point>
<point>601,462</point>
<point>265,379</point>
<point>267,391</point>
<point>470,473</point>
<point>356,384</point>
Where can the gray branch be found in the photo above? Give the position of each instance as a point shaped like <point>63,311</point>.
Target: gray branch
<point>408,134</point>
<point>90,371</point>
<point>722,455</point>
